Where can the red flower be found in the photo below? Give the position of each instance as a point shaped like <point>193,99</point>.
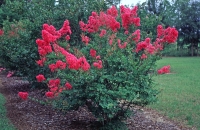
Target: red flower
<point>98,64</point>
<point>136,21</point>
<point>42,51</point>
<point>49,94</point>
<point>103,32</point>
<point>60,64</point>
<point>85,66</point>
<point>150,49</point>
<point>129,17</point>
<point>68,86</point>
<point>85,39</point>
<point>1,32</point>
<point>40,78</point>
<point>98,57</point>
<point>23,95</point>
<point>140,46</point>
<point>136,35</point>
<point>65,28</point>
<point>41,42</point>
<point>143,56</point>
<point>67,37</point>
<point>10,73</point>
<point>52,67</point>
<point>48,37</point>
<point>54,83</point>
<point>126,32</point>
<point>112,11</point>
<point>41,61</point>
<point>48,49</point>
<point>160,71</point>
<point>93,53</point>
<point>54,89</point>
<point>164,70</point>
<point>122,46</point>
<point>171,35</point>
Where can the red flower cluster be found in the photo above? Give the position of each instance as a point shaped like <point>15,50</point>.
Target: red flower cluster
<point>41,61</point>
<point>111,38</point>
<point>10,73</point>
<point>121,46</point>
<point>23,95</point>
<point>40,78</point>
<point>144,56</point>
<point>96,21</point>
<point>164,69</point>
<point>58,65</point>
<point>67,37</point>
<point>93,53</point>
<point>49,94</point>
<point>85,39</point>
<point>1,32</point>
<point>98,64</point>
<point>68,86</point>
<point>55,88</point>
<point>141,45</point>
<point>49,36</point>
<point>54,84</point>
<point>103,32</point>
<point>112,11</point>
<point>167,35</point>
<point>72,61</point>
<point>65,29</point>
<point>136,36</point>
<point>129,17</point>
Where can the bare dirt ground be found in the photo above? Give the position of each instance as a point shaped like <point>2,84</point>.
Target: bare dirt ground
<point>30,115</point>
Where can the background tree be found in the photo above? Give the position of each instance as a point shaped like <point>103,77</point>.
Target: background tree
<point>188,24</point>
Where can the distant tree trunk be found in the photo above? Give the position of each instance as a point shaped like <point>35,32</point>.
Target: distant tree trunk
<point>192,49</point>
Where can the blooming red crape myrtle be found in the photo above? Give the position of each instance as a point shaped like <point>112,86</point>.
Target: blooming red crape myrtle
<point>107,27</point>
<point>40,78</point>
<point>23,95</point>
<point>164,70</point>
<point>113,63</point>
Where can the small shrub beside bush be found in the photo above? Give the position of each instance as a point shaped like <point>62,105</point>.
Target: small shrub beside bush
<point>22,22</point>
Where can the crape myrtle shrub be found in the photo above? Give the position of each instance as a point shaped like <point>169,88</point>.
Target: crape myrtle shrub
<point>111,72</point>
<point>21,21</point>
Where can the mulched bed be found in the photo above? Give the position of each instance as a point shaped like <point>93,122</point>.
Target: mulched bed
<point>30,115</point>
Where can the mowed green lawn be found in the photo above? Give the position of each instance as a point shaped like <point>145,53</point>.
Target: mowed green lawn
<point>179,98</point>
<point>4,122</point>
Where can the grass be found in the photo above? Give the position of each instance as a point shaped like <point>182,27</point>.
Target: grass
<point>180,91</point>
<point>4,122</point>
